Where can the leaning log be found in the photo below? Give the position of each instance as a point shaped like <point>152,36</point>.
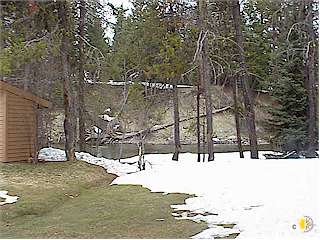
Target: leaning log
<point>156,128</point>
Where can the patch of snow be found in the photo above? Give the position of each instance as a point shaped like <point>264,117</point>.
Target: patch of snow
<point>264,198</point>
<point>158,85</point>
<point>184,86</point>
<point>52,155</point>
<point>112,166</point>
<point>106,117</point>
<point>216,140</point>
<point>96,129</point>
<point>7,198</point>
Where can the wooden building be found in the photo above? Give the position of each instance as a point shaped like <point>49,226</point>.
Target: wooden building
<point>18,123</point>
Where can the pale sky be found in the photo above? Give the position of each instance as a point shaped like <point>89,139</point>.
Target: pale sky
<point>117,3</point>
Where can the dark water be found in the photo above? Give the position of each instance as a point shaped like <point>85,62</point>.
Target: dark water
<point>112,151</point>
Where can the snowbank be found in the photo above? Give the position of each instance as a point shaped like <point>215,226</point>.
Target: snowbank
<point>7,198</point>
<point>264,198</point>
<point>112,166</point>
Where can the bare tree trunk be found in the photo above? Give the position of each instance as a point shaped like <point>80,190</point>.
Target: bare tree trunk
<point>246,89</point>
<point>198,123</point>
<point>310,80</point>
<point>236,115</point>
<point>204,140</point>
<point>98,143</point>
<point>81,104</point>
<point>176,122</point>
<point>67,84</point>
<point>141,161</point>
<point>205,75</point>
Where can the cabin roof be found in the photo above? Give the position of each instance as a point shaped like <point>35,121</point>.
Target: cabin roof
<point>24,94</point>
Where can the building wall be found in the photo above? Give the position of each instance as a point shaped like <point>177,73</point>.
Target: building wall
<point>20,128</point>
<point>2,125</point>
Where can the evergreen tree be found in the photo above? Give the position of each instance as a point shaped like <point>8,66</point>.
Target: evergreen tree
<point>289,112</point>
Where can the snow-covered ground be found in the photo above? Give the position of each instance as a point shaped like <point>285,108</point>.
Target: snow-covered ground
<point>266,199</point>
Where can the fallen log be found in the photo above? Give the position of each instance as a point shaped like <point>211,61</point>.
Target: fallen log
<point>156,128</point>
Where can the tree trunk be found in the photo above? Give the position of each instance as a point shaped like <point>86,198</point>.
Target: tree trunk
<point>246,89</point>
<point>141,161</point>
<point>205,75</point>
<point>236,115</point>
<point>204,140</point>
<point>81,104</point>
<point>198,123</point>
<point>67,84</point>
<point>310,81</point>
<point>176,123</point>
<point>27,78</point>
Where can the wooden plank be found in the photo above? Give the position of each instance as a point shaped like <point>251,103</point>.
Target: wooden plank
<point>5,135</point>
<point>17,101</point>
<point>15,108</point>
<point>20,145</point>
<point>15,135</point>
<point>28,120</point>
<point>19,124</point>
<point>18,156</point>
<point>15,126</point>
<point>20,140</point>
<point>20,114</point>
<point>19,119</point>
<point>19,152</point>
<point>21,159</point>
<point>2,126</point>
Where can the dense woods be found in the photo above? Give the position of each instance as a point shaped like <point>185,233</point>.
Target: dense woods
<point>64,51</point>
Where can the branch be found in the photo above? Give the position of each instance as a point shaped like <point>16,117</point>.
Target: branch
<point>27,43</point>
<point>90,45</point>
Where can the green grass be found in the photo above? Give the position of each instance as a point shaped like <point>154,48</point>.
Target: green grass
<point>75,200</point>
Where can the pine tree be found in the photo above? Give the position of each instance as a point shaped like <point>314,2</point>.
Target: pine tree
<point>288,121</point>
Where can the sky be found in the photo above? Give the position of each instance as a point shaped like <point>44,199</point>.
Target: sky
<point>117,3</point>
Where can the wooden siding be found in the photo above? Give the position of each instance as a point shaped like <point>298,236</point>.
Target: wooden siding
<point>2,125</point>
<point>21,125</point>
<point>23,94</point>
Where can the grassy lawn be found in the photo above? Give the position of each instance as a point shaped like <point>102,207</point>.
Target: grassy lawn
<point>74,200</point>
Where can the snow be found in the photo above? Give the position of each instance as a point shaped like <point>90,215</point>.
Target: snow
<point>96,129</point>
<point>112,166</point>
<point>7,198</point>
<point>158,85</point>
<point>264,198</point>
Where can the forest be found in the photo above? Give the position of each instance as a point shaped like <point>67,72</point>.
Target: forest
<point>113,73</point>
<point>159,119</point>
